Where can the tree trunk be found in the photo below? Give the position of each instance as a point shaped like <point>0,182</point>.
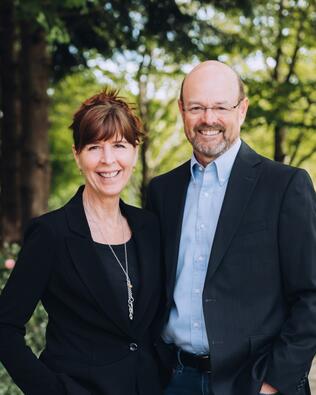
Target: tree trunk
<point>143,110</point>
<point>34,109</point>
<point>10,204</point>
<point>279,141</point>
<point>145,178</point>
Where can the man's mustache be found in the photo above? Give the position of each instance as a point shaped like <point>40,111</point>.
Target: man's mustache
<point>206,126</point>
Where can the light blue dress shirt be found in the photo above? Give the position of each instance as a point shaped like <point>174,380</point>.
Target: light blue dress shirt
<point>205,195</point>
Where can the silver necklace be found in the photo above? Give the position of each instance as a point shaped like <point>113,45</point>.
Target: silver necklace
<point>129,286</point>
<point>130,299</point>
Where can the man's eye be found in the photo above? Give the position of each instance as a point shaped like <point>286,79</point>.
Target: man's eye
<point>196,108</point>
<point>220,109</point>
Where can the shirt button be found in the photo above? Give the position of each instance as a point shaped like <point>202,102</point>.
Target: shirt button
<point>196,324</point>
<point>202,226</point>
<point>197,291</point>
<point>200,168</point>
<point>133,347</point>
<point>200,258</point>
<point>206,194</point>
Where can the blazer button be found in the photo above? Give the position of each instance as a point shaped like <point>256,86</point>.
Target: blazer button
<point>133,347</point>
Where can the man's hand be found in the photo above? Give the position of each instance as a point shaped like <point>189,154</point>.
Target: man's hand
<point>268,389</point>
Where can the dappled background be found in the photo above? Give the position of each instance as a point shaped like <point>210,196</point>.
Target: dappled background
<point>56,53</point>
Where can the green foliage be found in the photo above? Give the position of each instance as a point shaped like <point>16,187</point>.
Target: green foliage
<point>66,97</point>
<point>274,51</point>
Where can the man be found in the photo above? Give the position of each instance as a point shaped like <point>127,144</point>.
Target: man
<point>239,243</point>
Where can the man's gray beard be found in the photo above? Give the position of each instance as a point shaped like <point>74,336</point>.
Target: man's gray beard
<point>210,152</point>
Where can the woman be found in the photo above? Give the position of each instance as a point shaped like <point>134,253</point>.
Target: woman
<point>94,264</point>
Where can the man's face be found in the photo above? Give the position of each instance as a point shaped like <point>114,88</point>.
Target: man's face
<point>210,132</point>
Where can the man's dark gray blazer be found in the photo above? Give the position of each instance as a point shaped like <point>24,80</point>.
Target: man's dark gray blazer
<point>259,297</point>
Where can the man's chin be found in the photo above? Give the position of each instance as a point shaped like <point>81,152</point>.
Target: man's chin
<point>211,152</point>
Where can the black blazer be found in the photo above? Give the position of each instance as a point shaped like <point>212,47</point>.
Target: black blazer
<point>259,297</point>
<point>91,347</point>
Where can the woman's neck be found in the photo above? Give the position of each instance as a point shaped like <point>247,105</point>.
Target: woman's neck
<point>102,209</point>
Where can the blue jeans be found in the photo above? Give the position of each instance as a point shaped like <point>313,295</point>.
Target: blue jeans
<point>189,381</point>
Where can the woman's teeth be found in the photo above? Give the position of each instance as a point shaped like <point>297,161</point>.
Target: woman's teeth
<point>109,174</point>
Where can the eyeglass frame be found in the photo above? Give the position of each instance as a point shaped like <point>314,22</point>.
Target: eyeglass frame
<point>204,109</point>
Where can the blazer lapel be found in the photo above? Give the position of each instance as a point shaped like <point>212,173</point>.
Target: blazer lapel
<point>88,264</point>
<point>149,282</point>
<point>173,222</point>
<point>243,178</point>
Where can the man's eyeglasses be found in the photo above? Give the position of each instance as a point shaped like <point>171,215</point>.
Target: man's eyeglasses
<point>217,110</point>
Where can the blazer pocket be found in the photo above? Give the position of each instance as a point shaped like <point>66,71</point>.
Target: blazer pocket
<point>252,240</point>
<point>260,344</point>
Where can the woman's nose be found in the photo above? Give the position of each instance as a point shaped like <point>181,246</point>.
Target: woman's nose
<point>107,154</point>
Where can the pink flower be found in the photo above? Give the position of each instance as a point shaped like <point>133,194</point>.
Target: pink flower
<point>9,263</point>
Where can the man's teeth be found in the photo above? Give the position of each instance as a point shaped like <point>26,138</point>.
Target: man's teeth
<point>209,132</point>
<point>109,174</point>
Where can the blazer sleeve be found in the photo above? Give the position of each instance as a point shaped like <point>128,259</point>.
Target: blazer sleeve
<point>152,195</point>
<point>149,197</point>
<point>18,300</point>
<point>295,347</point>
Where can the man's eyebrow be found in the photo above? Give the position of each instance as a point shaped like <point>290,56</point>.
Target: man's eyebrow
<point>191,102</point>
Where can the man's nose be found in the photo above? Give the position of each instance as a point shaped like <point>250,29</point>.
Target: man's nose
<point>209,115</point>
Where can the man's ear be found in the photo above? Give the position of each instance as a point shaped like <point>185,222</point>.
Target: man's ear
<point>180,106</point>
<point>243,107</point>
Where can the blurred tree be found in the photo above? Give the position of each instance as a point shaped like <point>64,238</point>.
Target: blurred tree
<point>54,38</point>
<point>10,114</point>
<point>34,169</point>
<point>24,73</point>
<point>274,50</point>
<point>283,90</point>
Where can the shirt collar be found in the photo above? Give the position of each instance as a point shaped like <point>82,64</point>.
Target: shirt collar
<point>223,163</point>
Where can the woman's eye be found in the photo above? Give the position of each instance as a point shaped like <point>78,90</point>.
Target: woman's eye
<point>93,147</point>
<point>119,145</point>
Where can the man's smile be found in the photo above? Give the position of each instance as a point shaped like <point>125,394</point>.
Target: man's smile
<point>209,132</point>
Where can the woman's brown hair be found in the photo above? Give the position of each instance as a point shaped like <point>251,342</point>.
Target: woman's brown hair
<point>104,116</point>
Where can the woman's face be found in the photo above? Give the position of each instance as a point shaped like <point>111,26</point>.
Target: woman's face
<point>107,165</point>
